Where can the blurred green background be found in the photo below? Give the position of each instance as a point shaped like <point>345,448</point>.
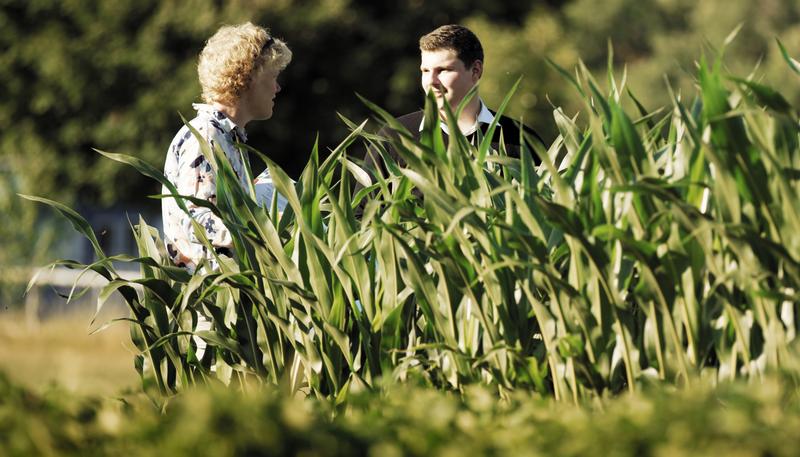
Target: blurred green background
<point>78,74</point>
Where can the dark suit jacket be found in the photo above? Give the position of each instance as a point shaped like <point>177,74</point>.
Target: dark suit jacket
<point>506,125</point>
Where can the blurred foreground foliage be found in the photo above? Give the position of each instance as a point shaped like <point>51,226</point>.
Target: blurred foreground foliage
<point>742,419</point>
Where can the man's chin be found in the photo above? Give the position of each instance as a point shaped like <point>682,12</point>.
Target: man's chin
<point>443,103</point>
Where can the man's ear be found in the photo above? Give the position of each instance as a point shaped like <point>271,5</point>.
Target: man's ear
<point>476,70</point>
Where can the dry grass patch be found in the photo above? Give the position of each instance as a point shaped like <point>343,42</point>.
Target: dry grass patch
<point>61,351</point>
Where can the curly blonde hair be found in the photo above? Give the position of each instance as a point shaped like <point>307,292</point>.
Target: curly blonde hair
<point>233,56</point>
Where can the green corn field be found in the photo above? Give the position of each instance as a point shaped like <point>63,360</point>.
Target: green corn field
<point>645,247</point>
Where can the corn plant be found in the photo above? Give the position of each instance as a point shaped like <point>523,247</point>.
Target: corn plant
<point>644,247</point>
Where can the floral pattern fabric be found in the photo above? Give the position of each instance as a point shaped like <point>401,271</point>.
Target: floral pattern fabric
<point>188,170</point>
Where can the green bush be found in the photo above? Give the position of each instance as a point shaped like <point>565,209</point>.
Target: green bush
<point>733,419</point>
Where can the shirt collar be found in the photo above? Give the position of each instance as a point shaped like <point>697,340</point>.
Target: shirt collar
<point>224,121</point>
<point>484,117</point>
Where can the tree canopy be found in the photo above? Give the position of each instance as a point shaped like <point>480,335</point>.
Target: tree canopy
<point>83,74</point>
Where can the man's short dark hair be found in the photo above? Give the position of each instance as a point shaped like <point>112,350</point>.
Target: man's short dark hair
<point>456,37</point>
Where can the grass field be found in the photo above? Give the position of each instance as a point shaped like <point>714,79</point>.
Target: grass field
<point>61,351</point>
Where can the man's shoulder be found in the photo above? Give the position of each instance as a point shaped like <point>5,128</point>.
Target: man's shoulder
<point>509,123</point>
<point>411,121</point>
<point>511,128</point>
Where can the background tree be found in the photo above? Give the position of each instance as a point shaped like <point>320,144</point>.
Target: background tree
<point>78,74</point>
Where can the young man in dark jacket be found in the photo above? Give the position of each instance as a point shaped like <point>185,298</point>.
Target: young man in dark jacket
<point>451,65</point>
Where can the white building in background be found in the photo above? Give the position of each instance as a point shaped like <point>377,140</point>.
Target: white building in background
<point>113,229</point>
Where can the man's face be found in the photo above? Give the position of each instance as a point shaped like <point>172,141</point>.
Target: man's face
<point>447,77</point>
<point>260,96</point>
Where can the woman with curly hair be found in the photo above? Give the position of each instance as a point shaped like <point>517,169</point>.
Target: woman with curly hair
<point>238,70</point>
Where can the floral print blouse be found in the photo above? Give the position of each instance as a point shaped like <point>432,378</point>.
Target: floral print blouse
<point>186,167</point>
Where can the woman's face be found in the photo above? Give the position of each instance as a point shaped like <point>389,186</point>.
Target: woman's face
<point>260,96</point>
